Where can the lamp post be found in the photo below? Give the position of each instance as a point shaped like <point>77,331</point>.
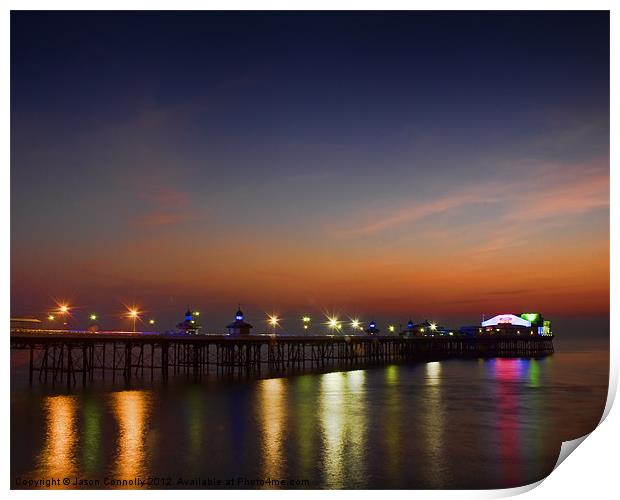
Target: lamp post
<point>63,311</point>
<point>133,314</point>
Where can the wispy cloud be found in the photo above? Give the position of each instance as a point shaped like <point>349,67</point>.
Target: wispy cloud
<point>566,195</point>
<point>545,192</point>
<point>420,210</point>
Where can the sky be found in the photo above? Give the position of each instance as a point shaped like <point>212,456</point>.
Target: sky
<point>380,165</point>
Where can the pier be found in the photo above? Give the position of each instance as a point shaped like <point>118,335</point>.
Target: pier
<point>80,357</point>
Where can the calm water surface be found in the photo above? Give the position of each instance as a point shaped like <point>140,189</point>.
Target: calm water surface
<point>450,424</point>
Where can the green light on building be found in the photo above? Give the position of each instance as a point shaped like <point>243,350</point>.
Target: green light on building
<point>533,318</point>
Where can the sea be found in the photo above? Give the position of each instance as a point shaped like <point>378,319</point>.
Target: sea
<point>451,424</point>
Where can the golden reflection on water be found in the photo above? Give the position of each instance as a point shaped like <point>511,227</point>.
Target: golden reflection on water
<point>343,425</point>
<point>272,407</point>
<point>57,458</point>
<point>433,422</point>
<point>131,409</point>
<point>433,373</point>
<point>356,429</point>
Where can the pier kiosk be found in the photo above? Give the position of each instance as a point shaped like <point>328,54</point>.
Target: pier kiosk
<point>239,326</point>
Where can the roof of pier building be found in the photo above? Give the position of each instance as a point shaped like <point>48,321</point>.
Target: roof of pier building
<point>239,321</point>
<point>506,319</point>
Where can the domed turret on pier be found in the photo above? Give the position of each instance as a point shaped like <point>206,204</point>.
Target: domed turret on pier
<point>239,326</point>
<point>372,328</point>
<point>410,330</point>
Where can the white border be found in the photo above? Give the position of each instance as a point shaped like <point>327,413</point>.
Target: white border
<point>588,472</point>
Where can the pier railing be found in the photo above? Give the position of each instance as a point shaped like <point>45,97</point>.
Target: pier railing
<point>71,357</point>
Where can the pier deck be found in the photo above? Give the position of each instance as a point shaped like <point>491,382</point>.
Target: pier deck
<point>70,357</point>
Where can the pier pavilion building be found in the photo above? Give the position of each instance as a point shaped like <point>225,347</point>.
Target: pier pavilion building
<point>239,326</point>
<point>190,324</point>
<point>512,324</point>
<point>410,330</point>
<point>424,329</point>
<point>506,324</point>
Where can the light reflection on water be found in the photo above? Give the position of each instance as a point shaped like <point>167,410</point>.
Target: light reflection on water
<point>195,425</point>
<point>391,416</point>
<point>304,423</point>
<point>343,425</point>
<point>332,419</point>
<point>433,422</point>
<point>357,426</point>
<point>91,435</point>
<point>131,409</point>
<point>452,424</point>
<point>273,415</point>
<point>510,372</point>
<point>58,457</point>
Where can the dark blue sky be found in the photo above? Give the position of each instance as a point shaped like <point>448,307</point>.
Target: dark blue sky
<point>192,151</point>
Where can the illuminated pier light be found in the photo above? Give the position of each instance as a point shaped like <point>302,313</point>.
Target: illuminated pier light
<point>151,321</point>
<point>392,328</point>
<point>133,314</point>
<point>93,317</point>
<point>333,323</point>
<point>64,312</point>
<point>305,322</point>
<point>273,320</point>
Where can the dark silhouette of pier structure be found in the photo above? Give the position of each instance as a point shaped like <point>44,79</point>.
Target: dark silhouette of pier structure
<point>71,357</point>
